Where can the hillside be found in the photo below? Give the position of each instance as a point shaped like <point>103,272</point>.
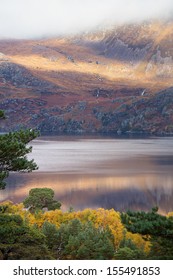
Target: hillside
<point>114,80</point>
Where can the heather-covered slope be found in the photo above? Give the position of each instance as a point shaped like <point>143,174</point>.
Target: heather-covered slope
<point>111,80</point>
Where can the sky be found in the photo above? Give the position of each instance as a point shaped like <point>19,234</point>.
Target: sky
<point>22,19</point>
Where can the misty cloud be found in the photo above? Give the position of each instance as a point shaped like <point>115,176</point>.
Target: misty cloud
<point>40,18</point>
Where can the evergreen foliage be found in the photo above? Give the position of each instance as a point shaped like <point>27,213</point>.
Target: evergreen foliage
<point>129,251</point>
<point>156,228</point>
<point>19,241</point>
<point>41,198</point>
<point>13,151</point>
<point>77,241</point>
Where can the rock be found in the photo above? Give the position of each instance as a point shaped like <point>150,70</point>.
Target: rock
<point>82,105</point>
<point>21,77</point>
<point>69,57</point>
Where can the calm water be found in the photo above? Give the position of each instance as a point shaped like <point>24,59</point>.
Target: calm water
<point>111,173</point>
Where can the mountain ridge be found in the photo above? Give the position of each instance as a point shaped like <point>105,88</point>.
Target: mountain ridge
<point>92,82</point>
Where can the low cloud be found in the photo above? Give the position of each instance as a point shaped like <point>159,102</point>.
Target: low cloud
<point>41,18</point>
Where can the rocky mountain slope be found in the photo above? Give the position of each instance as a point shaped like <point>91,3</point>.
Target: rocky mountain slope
<point>114,80</point>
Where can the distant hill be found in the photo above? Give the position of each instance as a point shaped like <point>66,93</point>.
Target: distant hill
<point>114,80</point>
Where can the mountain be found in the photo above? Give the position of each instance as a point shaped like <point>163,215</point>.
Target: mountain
<point>115,80</point>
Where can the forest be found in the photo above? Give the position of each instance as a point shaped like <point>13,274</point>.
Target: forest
<point>38,229</point>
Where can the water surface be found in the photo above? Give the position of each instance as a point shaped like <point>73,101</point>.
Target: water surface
<point>100,172</point>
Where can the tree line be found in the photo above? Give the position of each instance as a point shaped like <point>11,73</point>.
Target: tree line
<point>38,229</point>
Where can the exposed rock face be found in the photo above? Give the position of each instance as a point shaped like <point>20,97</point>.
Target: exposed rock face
<point>20,77</point>
<point>143,115</point>
<point>147,45</point>
<point>118,80</point>
<point>113,47</point>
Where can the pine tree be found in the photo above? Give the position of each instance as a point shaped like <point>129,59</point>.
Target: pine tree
<point>41,198</point>
<point>77,241</point>
<point>156,228</point>
<point>13,151</point>
<point>21,241</point>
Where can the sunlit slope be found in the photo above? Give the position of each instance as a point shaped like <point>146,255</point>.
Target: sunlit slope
<point>131,62</point>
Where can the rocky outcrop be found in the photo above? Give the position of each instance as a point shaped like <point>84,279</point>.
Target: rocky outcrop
<point>147,45</point>
<point>20,77</point>
<point>107,81</point>
<point>141,115</point>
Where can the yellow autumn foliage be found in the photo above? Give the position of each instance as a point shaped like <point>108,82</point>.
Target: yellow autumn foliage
<point>99,217</point>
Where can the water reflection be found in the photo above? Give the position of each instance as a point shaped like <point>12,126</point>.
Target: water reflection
<point>110,173</point>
